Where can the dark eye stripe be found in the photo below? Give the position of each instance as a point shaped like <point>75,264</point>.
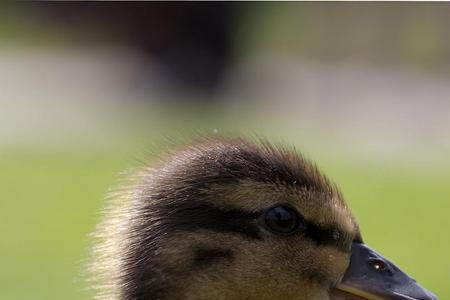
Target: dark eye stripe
<point>205,216</point>
<point>329,236</point>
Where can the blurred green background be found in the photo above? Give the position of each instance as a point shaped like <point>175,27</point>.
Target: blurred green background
<point>363,89</point>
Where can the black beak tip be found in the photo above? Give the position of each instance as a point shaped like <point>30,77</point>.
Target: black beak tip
<point>428,296</point>
<point>372,273</point>
<point>425,295</point>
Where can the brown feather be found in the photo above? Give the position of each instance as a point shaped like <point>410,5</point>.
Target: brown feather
<point>188,228</point>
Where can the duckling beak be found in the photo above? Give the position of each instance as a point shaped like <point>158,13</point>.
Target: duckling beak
<point>373,277</point>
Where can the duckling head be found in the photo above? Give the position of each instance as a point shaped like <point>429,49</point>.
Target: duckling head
<point>230,219</point>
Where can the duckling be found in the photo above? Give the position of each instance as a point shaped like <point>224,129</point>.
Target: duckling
<point>236,219</point>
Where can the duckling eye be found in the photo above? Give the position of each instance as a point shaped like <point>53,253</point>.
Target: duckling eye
<point>281,219</point>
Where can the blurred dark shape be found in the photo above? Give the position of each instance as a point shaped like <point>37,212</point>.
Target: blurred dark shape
<point>190,40</point>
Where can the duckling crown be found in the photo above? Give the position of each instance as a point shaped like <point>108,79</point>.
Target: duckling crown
<point>199,213</point>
